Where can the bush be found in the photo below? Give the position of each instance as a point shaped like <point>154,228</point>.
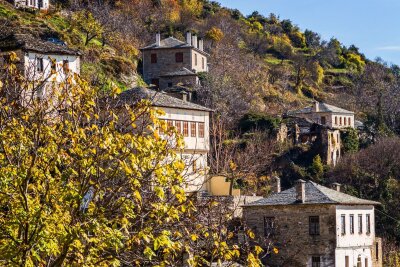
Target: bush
<point>258,121</point>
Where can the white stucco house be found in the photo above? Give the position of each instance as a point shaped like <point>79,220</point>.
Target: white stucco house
<point>325,114</point>
<point>315,226</point>
<point>191,121</point>
<point>35,4</point>
<point>42,62</point>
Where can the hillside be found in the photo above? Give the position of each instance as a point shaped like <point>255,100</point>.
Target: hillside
<point>260,67</point>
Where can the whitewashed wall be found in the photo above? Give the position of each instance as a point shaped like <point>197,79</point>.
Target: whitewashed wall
<point>32,4</point>
<point>199,66</point>
<point>30,61</point>
<point>356,244</point>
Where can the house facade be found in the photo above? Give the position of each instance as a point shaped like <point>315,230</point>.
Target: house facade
<point>315,226</point>
<point>40,59</point>
<point>192,122</point>
<point>35,4</point>
<point>169,62</point>
<point>325,114</point>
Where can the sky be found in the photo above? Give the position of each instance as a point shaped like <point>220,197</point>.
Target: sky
<point>371,25</point>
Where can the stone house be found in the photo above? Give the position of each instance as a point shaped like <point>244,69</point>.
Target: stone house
<point>324,123</point>
<point>190,120</point>
<point>169,62</point>
<point>35,4</point>
<point>41,60</point>
<point>325,114</point>
<point>314,226</point>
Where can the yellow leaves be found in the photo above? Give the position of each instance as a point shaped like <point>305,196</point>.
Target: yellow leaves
<point>215,34</point>
<point>275,250</point>
<point>250,234</point>
<point>194,237</point>
<point>232,166</point>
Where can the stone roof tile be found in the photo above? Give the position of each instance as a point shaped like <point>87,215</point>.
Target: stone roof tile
<point>315,194</point>
<point>323,107</point>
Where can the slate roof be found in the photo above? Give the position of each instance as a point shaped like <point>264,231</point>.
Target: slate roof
<point>159,99</point>
<point>28,42</point>
<point>172,42</point>
<point>181,72</point>
<point>323,107</point>
<point>315,194</point>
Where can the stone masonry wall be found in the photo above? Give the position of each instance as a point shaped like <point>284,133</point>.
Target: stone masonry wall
<point>296,246</point>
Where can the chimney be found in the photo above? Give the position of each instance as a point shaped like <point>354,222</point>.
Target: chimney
<point>201,44</point>
<point>158,39</point>
<point>301,191</point>
<point>316,106</point>
<point>277,184</point>
<point>189,38</point>
<point>194,41</point>
<point>336,186</point>
<point>184,95</point>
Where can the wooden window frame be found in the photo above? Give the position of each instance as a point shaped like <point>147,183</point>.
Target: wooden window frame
<point>40,64</point>
<point>153,58</point>
<point>201,129</point>
<point>185,129</point>
<point>343,224</point>
<point>193,129</point>
<point>368,224</point>
<point>178,126</point>
<point>314,225</point>
<point>316,261</point>
<point>351,222</point>
<point>179,57</point>
<point>360,224</point>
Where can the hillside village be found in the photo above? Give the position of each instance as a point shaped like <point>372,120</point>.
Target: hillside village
<point>295,215</point>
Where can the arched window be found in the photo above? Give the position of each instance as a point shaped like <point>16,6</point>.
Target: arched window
<point>345,121</point>
<point>340,121</point>
<point>335,120</point>
<point>349,120</point>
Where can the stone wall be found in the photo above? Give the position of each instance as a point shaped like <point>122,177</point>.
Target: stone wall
<point>291,236</point>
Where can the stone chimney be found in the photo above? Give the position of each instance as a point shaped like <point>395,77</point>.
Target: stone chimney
<point>336,186</point>
<point>158,39</point>
<point>316,106</point>
<point>194,41</point>
<point>189,38</point>
<point>301,191</point>
<point>201,44</point>
<point>184,95</point>
<point>277,184</point>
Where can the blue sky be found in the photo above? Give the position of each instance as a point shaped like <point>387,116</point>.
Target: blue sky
<point>372,25</point>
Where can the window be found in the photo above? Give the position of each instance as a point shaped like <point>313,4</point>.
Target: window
<point>169,85</point>
<point>153,58</point>
<point>336,120</point>
<point>368,224</point>
<point>185,128</point>
<point>313,225</point>
<point>179,57</point>
<point>359,261</point>
<point>202,63</point>
<point>344,121</point>
<point>178,125</point>
<point>193,129</point>
<point>349,121</point>
<point>316,261</point>
<point>343,224</point>
<point>39,64</point>
<point>155,82</point>
<point>377,251</point>
<point>170,124</point>
<point>366,262</point>
<point>195,59</point>
<point>351,224</point>
<point>269,225</point>
<point>340,121</point>
<point>53,66</point>
<point>347,261</point>
<point>360,230</point>
<point>66,66</point>
<point>323,120</point>
<point>201,129</point>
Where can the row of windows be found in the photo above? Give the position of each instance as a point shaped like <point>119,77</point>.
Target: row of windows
<point>196,128</point>
<point>40,65</point>
<point>343,121</point>
<point>314,224</point>
<point>178,59</point>
<point>352,226</point>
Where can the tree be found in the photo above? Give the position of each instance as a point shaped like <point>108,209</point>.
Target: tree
<point>85,22</point>
<point>317,168</point>
<point>85,182</point>
<point>350,140</point>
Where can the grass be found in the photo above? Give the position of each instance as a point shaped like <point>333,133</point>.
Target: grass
<point>270,59</point>
<point>337,71</point>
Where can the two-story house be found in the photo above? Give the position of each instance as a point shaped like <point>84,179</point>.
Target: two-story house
<point>169,62</point>
<point>35,4</point>
<point>315,226</point>
<point>191,121</point>
<point>325,114</point>
<point>41,61</point>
